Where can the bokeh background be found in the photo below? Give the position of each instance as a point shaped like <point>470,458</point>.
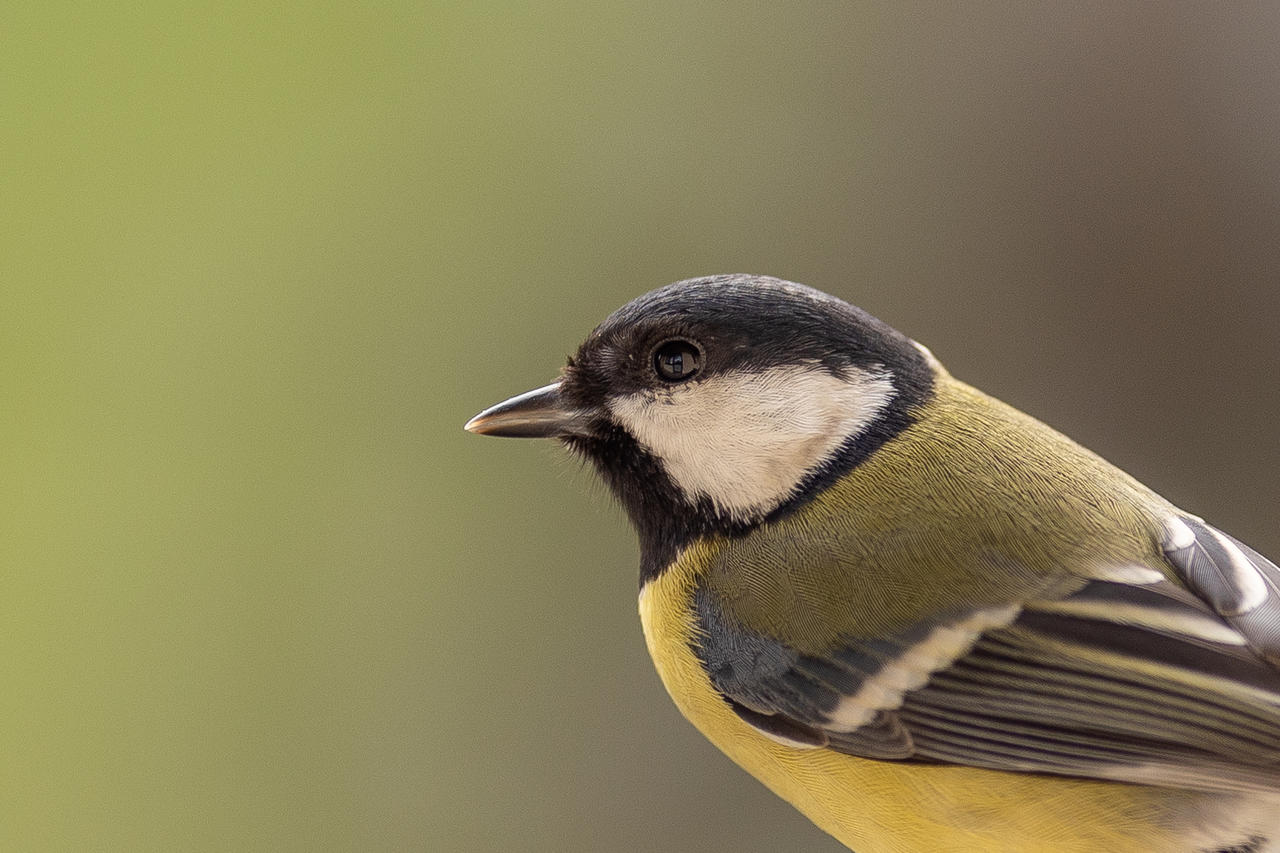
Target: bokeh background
<point>258,590</point>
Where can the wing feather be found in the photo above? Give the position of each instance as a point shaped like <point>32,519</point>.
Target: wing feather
<point>1241,585</point>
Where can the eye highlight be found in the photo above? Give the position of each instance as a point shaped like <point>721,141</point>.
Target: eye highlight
<point>676,361</point>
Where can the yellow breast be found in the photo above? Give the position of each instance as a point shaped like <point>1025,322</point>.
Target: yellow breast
<point>887,807</point>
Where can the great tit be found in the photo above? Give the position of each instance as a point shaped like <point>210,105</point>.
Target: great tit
<point>924,618</point>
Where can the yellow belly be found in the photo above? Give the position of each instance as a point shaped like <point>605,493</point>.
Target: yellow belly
<point>887,807</point>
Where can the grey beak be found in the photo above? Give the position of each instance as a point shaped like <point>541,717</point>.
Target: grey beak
<point>541,413</point>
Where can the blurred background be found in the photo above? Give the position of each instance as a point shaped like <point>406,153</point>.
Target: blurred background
<point>259,591</point>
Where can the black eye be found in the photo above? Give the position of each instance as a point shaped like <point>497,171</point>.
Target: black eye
<point>676,361</point>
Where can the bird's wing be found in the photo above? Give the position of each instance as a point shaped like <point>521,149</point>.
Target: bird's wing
<point>1134,679</point>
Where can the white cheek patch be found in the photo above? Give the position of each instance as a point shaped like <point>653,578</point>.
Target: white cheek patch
<point>746,439</point>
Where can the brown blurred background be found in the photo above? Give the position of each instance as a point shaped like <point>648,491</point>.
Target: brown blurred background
<point>261,592</point>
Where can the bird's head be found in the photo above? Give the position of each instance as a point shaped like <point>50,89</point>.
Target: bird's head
<point>712,404</point>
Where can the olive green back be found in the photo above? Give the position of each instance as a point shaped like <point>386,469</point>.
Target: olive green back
<point>976,505</point>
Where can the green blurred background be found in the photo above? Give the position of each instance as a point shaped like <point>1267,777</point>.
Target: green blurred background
<point>258,264</point>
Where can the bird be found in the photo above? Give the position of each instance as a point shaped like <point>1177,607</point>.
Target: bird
<point>926,619</point>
